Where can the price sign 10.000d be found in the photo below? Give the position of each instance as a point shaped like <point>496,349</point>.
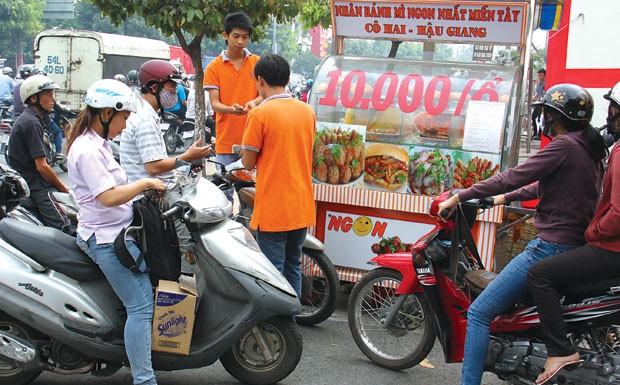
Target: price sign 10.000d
<point>409,92</point>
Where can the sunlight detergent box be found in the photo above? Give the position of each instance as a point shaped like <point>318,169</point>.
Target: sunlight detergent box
<point>173,318</point>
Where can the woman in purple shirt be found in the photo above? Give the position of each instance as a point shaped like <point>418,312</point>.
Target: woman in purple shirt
<point>566,177</point>
<point>104,200</point>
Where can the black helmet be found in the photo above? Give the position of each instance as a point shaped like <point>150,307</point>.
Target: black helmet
<point>26,70</point>
<point>570,100</point>
<point>132,76</point>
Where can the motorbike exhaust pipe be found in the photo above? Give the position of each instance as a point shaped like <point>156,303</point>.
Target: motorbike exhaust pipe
<point>17,349</point>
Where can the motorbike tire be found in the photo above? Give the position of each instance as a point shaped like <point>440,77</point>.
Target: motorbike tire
<point>246,362</point>
<point>63,165</point>
<point>396,347</point>
<point>170,140</point>
<point>319,288</point>
<point>10,373</point>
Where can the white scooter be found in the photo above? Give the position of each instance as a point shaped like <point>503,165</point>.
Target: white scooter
<point>58,313</point>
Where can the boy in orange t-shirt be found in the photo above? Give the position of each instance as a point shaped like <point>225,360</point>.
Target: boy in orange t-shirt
<point>229,79</point>
<point>278,139</point>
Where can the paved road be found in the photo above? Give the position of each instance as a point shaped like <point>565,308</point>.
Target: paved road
<point>330,358</point>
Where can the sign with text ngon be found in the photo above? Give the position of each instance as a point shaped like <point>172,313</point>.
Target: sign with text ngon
<point>477,22</point>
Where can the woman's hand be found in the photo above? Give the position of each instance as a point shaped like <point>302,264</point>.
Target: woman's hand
<point>499,200</point>
<point>154,184</point>
<point>449,204</point>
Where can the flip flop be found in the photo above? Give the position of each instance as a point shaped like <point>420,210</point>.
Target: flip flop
<point>561,365</point>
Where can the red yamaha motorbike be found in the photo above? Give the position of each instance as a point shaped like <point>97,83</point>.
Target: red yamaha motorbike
<point>397,310</point>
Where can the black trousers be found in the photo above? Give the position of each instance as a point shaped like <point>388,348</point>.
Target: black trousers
<point>536,111</point>
<point>45,209</point>
<point>580,265</point>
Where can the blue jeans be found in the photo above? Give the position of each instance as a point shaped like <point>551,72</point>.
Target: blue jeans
<point>283,249</point>
<point>227,159</point>
<point>505,290</point>
<point>137,295</point>
<point>55,130</point>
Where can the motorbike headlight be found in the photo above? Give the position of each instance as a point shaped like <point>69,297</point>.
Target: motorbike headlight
<point>243,236</point>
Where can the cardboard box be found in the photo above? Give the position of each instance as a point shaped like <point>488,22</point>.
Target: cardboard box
<point>173,319</point>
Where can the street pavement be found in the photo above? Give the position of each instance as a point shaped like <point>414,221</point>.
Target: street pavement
<point>330,357</point>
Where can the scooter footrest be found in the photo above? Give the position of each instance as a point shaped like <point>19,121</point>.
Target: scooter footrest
<point>106,371</point>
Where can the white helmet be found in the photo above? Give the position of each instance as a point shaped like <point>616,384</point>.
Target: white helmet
<point>35,84</point>
<point>110,93</point>
<point>614,94</point>
<point>7,71</point>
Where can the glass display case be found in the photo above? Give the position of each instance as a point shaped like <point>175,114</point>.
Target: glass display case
<point>411,127</point>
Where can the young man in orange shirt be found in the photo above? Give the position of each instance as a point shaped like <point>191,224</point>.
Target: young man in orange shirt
<point>278,139</point>
<point>229,79</point>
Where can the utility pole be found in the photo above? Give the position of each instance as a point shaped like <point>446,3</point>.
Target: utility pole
<point>274,44</point>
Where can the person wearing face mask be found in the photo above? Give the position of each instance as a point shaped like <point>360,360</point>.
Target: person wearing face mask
<point>142,149</point>
<point>598,260</point>
<point>566,177</point>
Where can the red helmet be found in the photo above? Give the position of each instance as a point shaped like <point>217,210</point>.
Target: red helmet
<point>157,71</point>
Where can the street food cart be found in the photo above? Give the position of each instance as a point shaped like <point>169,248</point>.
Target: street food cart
<point>393,133</point>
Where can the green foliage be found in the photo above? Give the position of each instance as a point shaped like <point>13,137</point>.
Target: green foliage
<point>285,37</point>
<point>88,17</point>
<point>305,63</point>
<point>316,12</point>
<point>20,23</point>
<point>192,20</point>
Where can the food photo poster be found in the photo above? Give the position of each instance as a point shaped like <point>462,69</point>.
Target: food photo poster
<point>343,156</point>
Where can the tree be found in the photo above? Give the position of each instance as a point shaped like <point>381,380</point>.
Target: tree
<point>285,37</point>
<point>21,20</point>
<point>316,12</point>
<point>88,17</point>
<point>191,20</point>
<point>305,64</point>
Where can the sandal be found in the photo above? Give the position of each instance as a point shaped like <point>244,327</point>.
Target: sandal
<point>557,367</point>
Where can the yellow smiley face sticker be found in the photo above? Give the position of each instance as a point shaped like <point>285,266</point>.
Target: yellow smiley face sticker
<point>362,226</point>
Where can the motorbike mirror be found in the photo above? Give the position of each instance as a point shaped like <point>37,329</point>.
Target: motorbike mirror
<point>222,166</point>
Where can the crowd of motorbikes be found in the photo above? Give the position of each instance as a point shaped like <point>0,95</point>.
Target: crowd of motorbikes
<point>60,115</point>
<point>59,314</point>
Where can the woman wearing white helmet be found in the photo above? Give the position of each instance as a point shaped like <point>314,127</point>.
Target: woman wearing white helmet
<point>104,200</point>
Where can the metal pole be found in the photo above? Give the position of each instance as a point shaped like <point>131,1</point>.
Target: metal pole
<point>274,45</point>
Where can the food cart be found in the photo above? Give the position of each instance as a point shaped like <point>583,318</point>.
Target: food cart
<point>393,133</point>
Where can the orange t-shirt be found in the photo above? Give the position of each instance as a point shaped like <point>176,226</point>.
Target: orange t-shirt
<point>282,130</point>
<point>235,87</point>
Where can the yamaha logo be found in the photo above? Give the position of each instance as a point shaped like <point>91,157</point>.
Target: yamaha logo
<point>32,288</point>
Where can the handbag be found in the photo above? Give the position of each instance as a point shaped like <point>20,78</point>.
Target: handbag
<point>157,240</point>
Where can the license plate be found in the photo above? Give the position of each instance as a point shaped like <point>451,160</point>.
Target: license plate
<point>188,134</point>
<point>164,126</point>
<point>4,138</point>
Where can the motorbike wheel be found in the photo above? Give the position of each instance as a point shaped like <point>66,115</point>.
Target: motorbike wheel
<point>170,140</point>
<point>10,372</point>
<point>410,336</point>
<point>63,164</point>
<point>266,354</point>
<point>319,288</point>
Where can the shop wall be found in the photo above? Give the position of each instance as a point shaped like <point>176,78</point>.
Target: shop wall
<point>582,51</point>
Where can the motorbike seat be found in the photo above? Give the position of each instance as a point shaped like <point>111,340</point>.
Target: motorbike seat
<point>51,248</point>
<point>247,195</point>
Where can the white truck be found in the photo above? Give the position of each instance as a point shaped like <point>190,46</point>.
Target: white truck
<point>75,59</point>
